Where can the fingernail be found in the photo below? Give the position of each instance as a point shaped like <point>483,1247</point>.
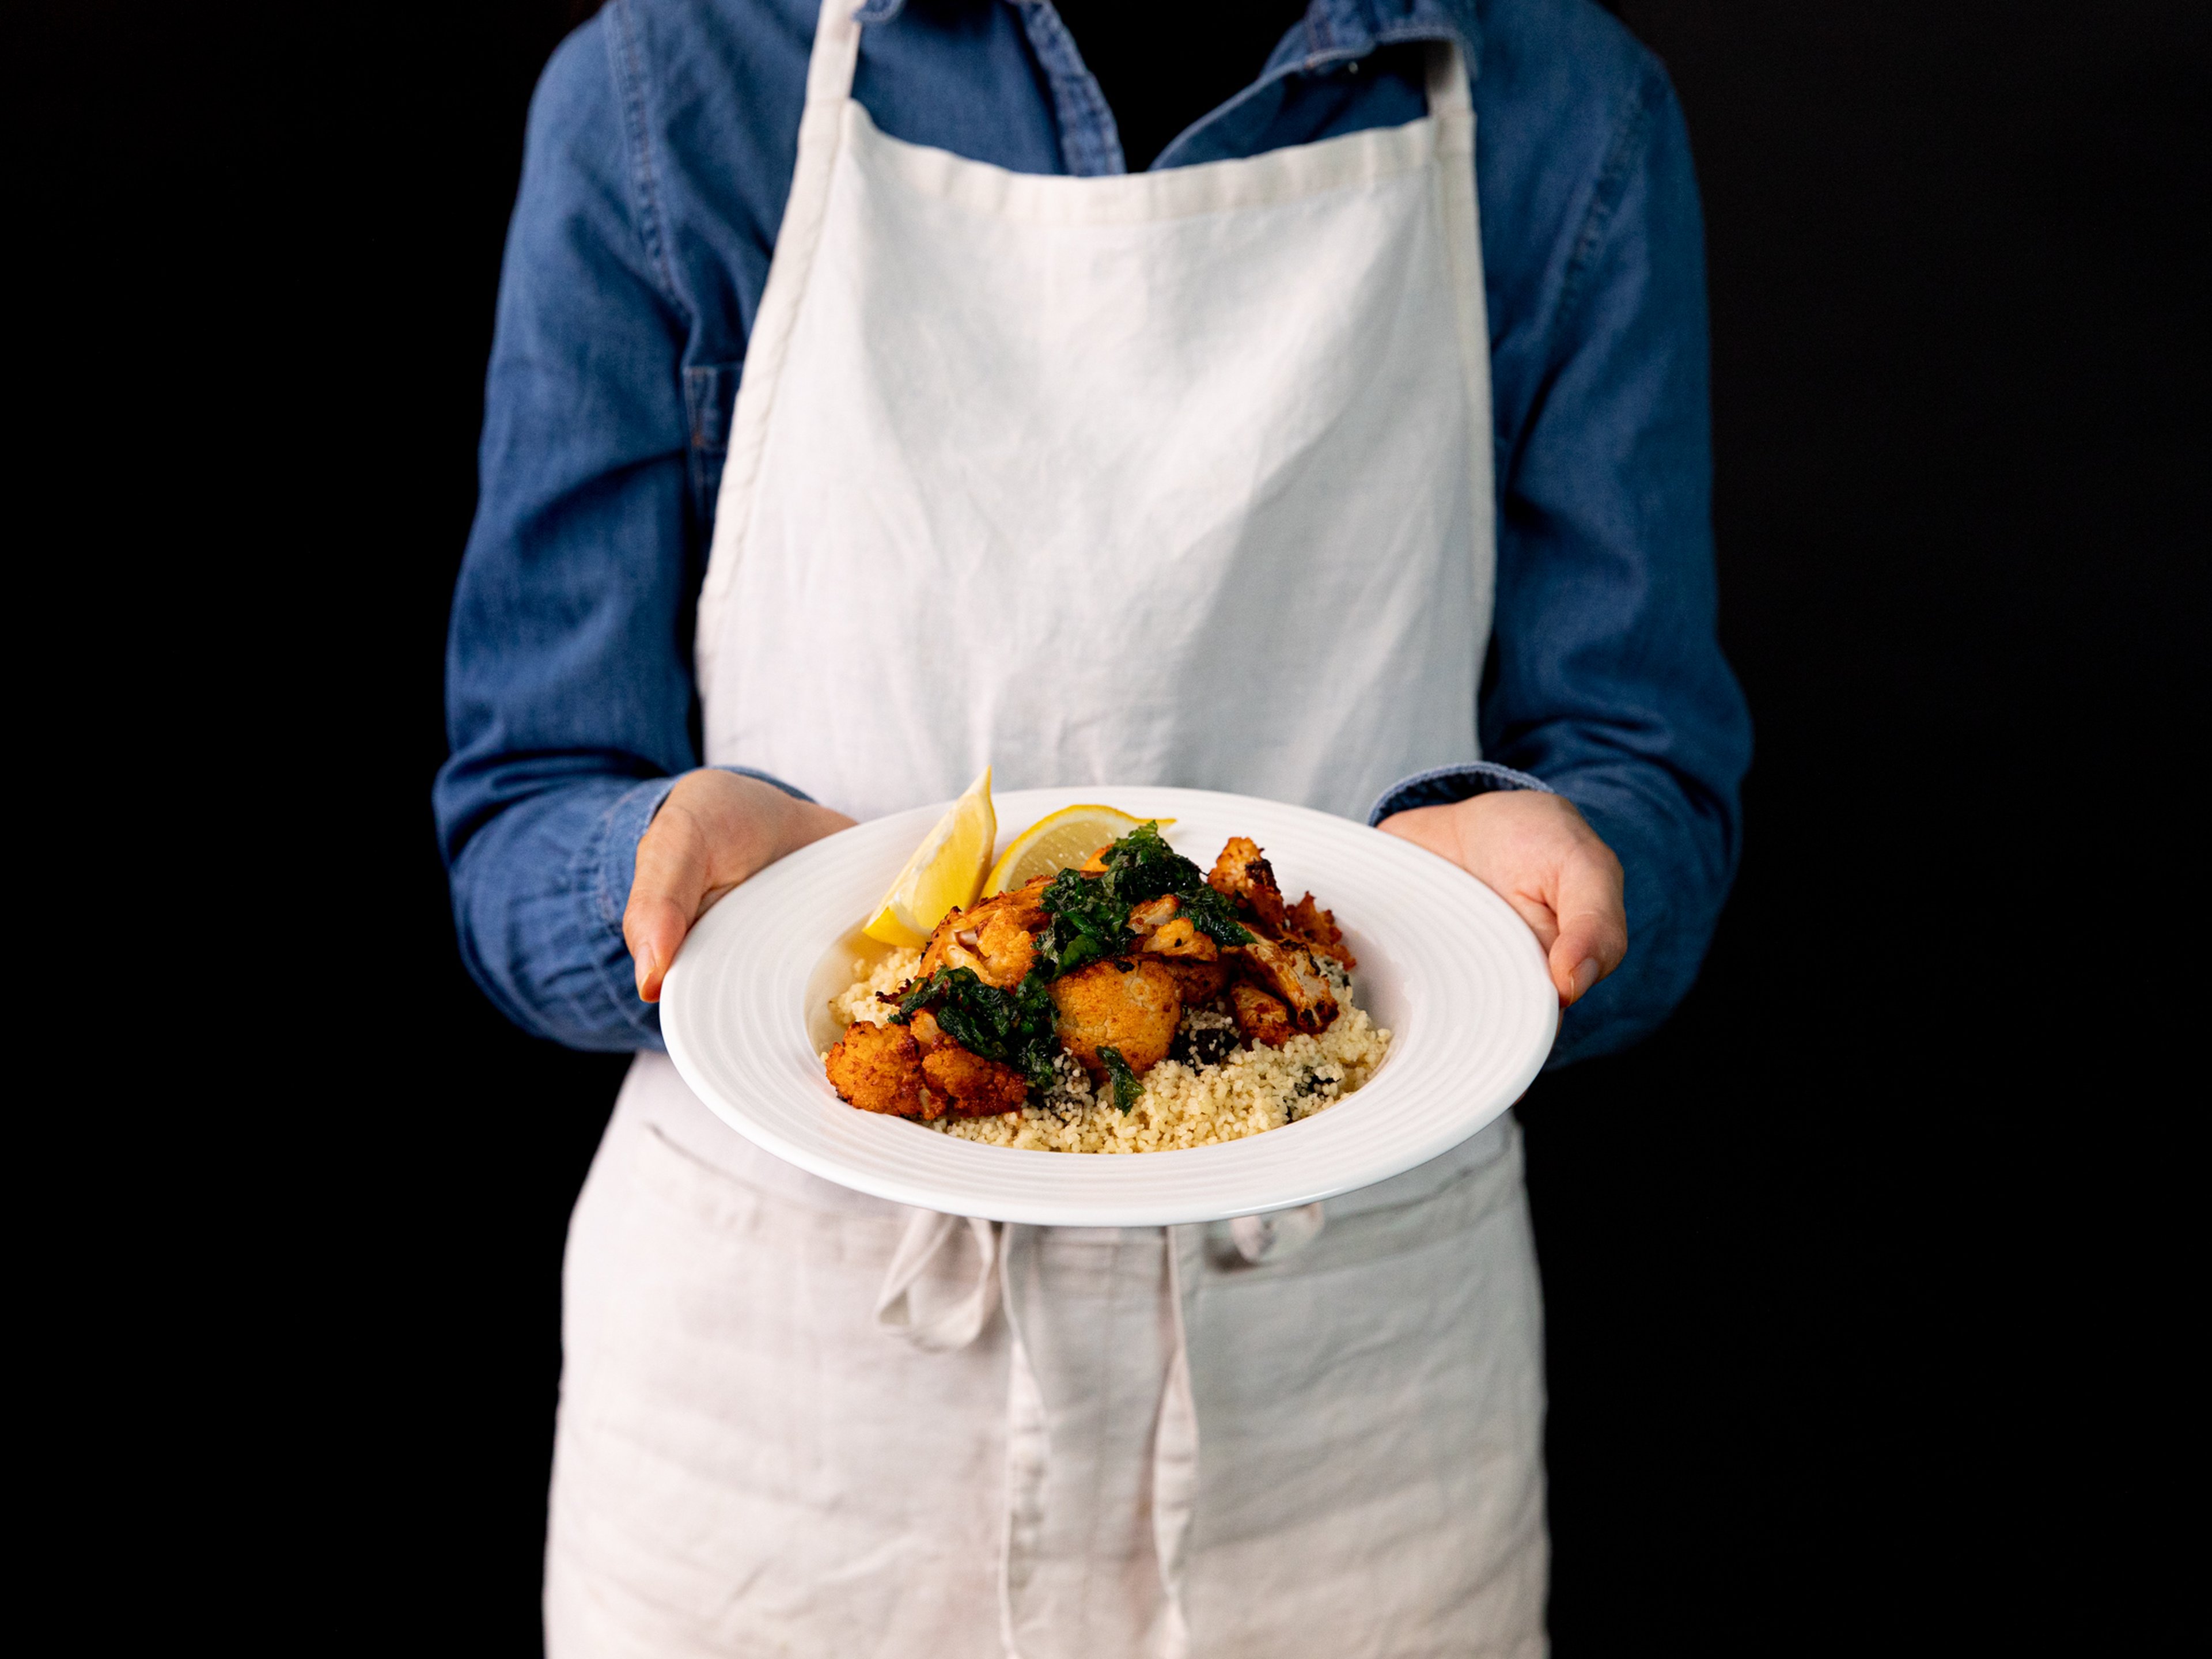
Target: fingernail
<point>1585,977</point>
<point>644,973</point>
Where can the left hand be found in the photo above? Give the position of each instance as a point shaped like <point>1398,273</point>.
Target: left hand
<point>1539,855</point>
<point>715,830</point>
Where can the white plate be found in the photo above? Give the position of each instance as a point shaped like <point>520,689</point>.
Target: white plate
<point>1444,965</point>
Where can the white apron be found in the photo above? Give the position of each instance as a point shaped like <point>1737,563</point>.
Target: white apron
<point>1175,477</point>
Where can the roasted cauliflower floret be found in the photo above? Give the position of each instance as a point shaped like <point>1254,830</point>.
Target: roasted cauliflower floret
<point>1260,1018</point>
<point>1290,973</point>
<point>997,940</point>
<point>1242,874</point>
<point>1318,928</point>
<point>916,1071</point>
<point>1165,930</point>
<point>1154,914</point>
<point>879,1068</point>
<point>1180,937</point>
<point>1131,1007</point>
<point>1007,944</point>
<point>1199,980</point>
<point>976,1087</point>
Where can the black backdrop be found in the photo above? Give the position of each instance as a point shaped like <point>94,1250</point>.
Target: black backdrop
<point>1797,1249</point>
<point>1952,301</point>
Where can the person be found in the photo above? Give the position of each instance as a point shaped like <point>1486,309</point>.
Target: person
<point>857,416</point>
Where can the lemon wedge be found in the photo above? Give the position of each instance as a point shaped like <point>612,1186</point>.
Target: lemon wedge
<point>1059,842</point>
<point>945,871</point>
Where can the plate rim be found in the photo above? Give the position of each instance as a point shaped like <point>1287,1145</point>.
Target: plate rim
<point>1113,1170</point>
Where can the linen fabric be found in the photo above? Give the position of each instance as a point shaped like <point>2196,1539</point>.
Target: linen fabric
<point>661,153</point>
<point>1158,1446</point>
<point>1168,477</point>
<point>796,1425</point>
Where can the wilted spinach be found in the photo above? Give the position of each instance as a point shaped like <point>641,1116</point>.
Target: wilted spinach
<point>1089,914</point>
<point>1017,1028</point>
<point>1127,1090</point>
<point>1087,923</point>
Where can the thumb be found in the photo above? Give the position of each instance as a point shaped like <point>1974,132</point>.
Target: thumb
<point>665,894</point>
<point>1593,922</point>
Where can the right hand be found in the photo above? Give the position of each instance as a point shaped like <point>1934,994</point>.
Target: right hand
<point>1539,855</point>
<point>715,830</point>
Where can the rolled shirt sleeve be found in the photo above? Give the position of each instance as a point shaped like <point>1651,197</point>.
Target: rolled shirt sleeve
<point>568,692</point>
<point>1604,680</point>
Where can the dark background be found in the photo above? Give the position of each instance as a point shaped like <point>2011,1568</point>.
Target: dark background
<point>1961,461</point>
<point>1836,1299</point>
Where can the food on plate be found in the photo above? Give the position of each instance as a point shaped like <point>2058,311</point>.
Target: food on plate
<point>915,1071</point>
<point>1117,1000</point>
<point>878,1069</point>
<point>1132,1009</point>
<point>1056,841</point>
<point>945,872</point>
<point>1260,1018</point>
<point>996,940</point>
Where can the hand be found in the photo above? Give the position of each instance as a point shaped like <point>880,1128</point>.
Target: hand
<point>715,830</point>
<point>1539,855</point>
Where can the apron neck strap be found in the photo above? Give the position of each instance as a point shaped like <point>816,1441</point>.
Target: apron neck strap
<point>1448,90</point>
<point>1450,105</point>
<point>836,48</point>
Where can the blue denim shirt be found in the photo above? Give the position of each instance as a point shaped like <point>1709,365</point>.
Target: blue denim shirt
<point>660,149</point>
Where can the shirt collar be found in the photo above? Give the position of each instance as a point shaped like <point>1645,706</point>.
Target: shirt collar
<point>1336,30</point>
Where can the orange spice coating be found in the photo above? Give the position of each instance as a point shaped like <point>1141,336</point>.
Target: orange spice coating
<point>1260,1018</point>
<point>878,1069</point>
<point>1133,1007</point>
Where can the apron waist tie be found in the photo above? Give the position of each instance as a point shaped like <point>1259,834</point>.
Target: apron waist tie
<point>928,1236</point>
<point>927,1248</point>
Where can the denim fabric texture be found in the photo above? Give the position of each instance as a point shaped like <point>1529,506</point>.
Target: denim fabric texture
<point>660,151</point>
<point>1445,786</point>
